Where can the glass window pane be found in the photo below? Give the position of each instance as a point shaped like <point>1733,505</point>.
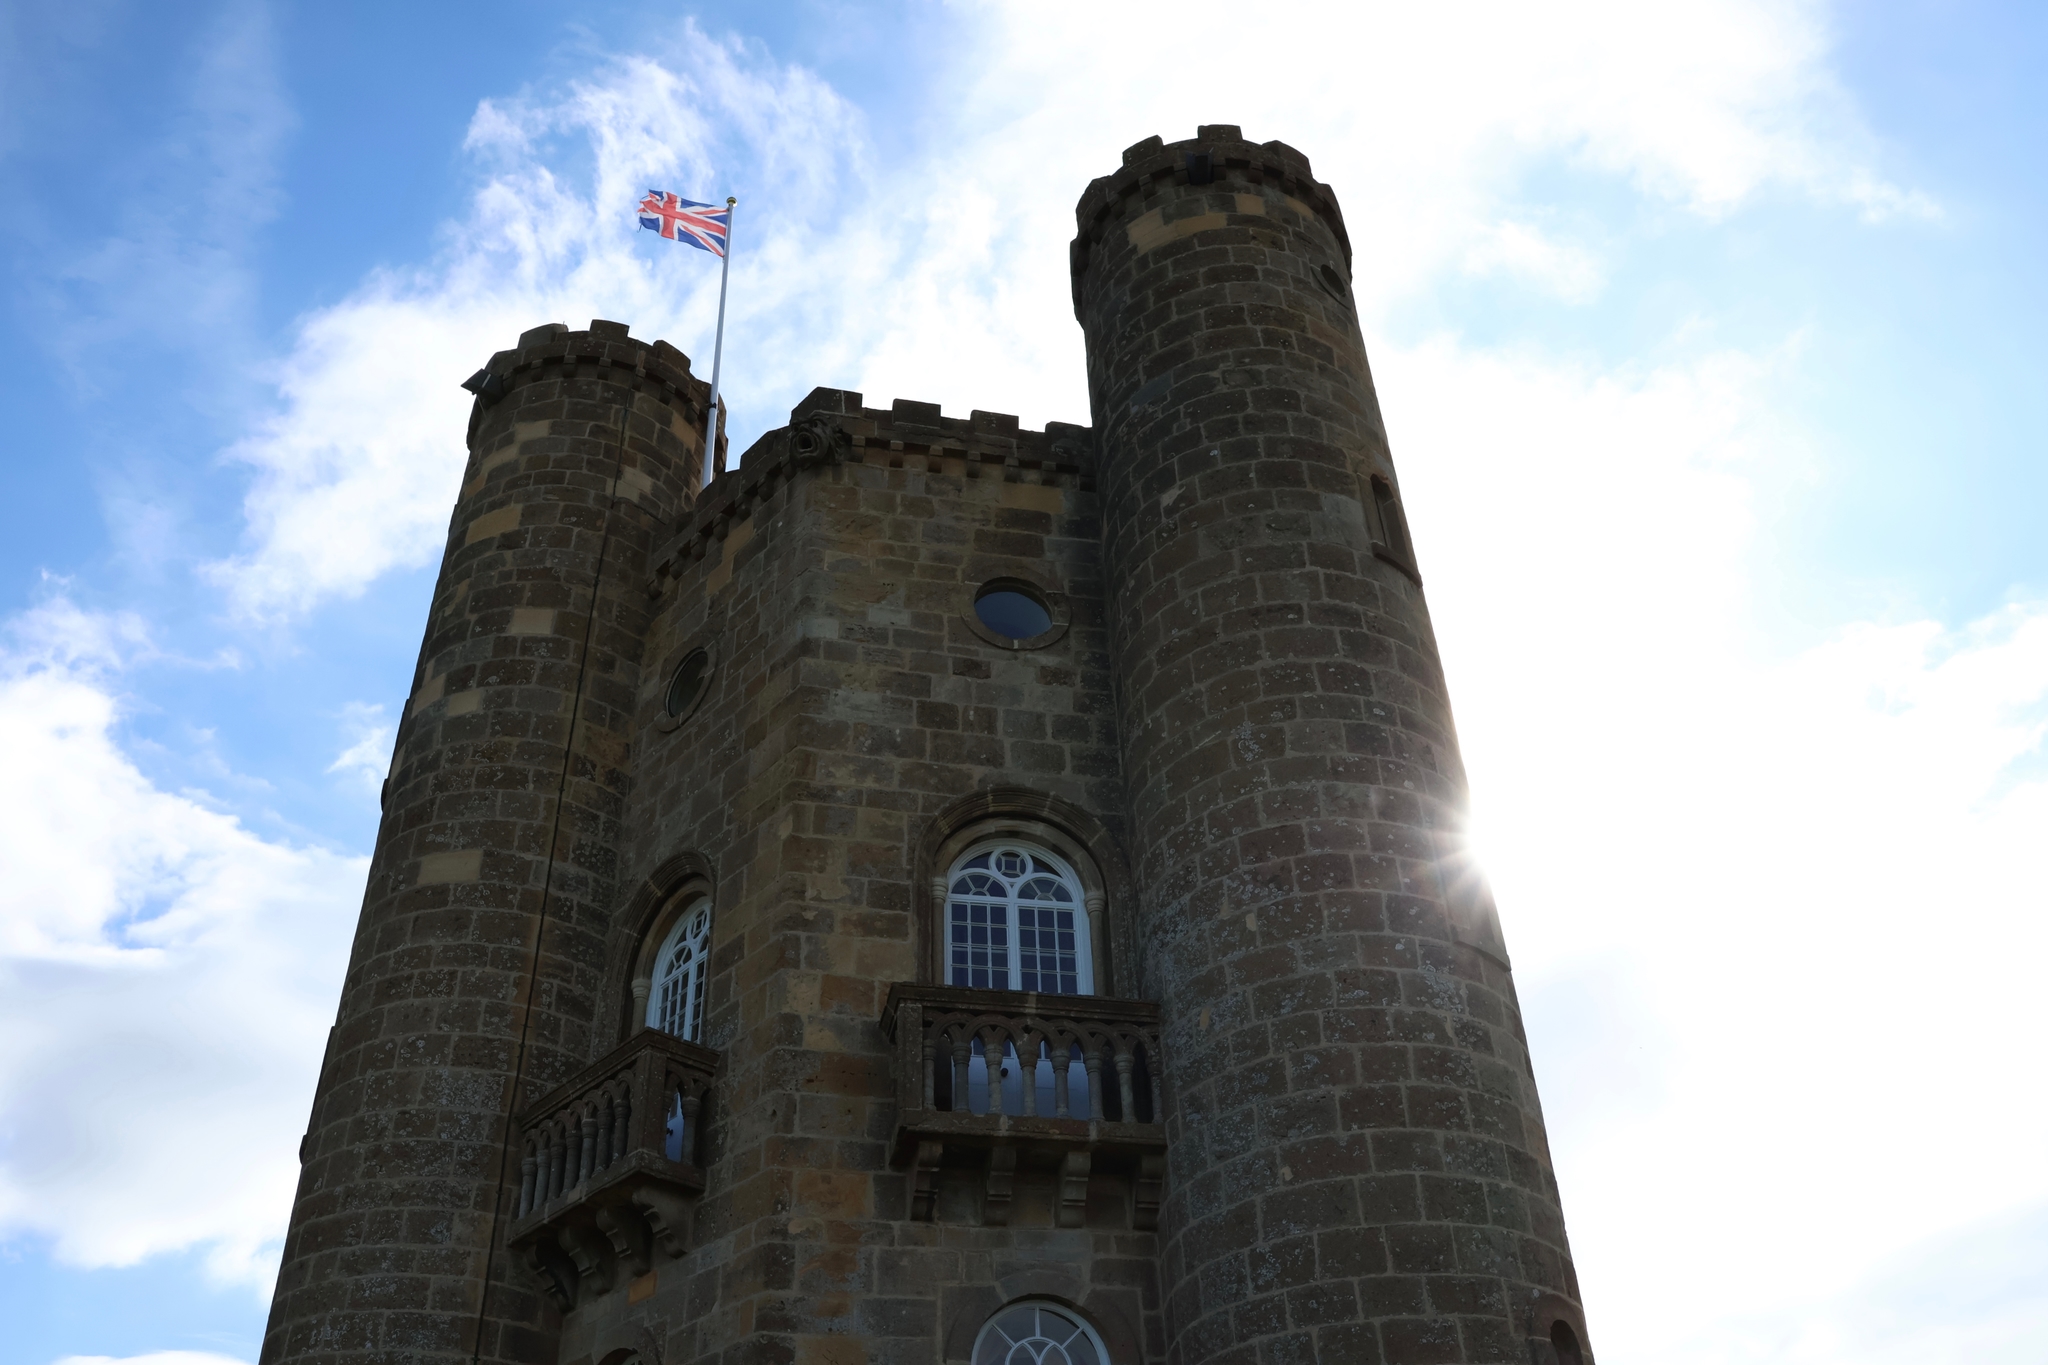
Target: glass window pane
<point>675,1001</point>
<point>1012,614</point>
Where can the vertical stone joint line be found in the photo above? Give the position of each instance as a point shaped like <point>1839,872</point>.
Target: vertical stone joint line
<point>483,1303</point>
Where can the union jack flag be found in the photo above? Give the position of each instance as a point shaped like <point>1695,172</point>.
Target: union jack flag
<point>685,220</point>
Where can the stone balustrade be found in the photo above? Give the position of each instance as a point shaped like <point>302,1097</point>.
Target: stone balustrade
<point>608,1169</point>
<point>1057,1091</point>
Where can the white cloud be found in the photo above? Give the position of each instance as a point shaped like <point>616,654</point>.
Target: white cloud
<point>1772,909</point>
<point>166,979</point>
<point>1775,915</point>
<point>945,277</point>
<point>357,469</point>
<point>367,757</point>
<point>1522,249</point>
<point>155,1358</point>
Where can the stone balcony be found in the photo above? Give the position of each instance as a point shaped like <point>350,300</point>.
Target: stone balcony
<point>1084,1137</point>
<point>608,1172</point>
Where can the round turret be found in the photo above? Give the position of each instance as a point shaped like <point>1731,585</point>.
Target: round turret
<point>478,962</point>
<point>1357,1167</point>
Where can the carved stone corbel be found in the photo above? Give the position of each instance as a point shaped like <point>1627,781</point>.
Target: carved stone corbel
<point>1145,1193</point>
<point>1074,1189</point>
<point>591,1253</point>
<point>553,1270</point>
<point>669,1217</point>
<point>628,1234</point>
<point>1002,1183</point>
<point>924,1188</point>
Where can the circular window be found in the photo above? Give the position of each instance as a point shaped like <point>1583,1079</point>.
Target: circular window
<point>687,685</point>
<point>1012,611</point>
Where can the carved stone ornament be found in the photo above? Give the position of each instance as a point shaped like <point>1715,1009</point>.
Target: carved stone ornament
<point>818,440</point>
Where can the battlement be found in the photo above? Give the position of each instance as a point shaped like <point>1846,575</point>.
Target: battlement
<point>909,427</point>
<point>831,426</point>
<point>1217,155</point>
<point>657,368</point>
<point>688,778</point>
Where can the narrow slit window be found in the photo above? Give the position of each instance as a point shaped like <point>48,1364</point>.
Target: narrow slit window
<point>1393,526</point>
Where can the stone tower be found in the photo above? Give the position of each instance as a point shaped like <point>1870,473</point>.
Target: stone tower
<point>941,886</point>
<point>477,962</point>
<point>1356,1151</point>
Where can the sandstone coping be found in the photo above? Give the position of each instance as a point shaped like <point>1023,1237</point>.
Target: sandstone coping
<point>1153,165</point>
<point>831,426</point>
<point>654,368</point>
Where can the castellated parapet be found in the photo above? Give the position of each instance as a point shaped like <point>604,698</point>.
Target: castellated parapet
<point>942,885</point>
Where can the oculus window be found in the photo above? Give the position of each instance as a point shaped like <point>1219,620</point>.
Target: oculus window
<point>1012,610</point>
<point>686,684</point>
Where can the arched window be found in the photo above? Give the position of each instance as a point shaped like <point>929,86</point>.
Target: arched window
<point>1565,1342</point>
<point>675,1004</point>
<point>1016,920</point>
<point>1037,1333</point>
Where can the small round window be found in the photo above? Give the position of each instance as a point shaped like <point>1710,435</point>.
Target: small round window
<point>1012,610</point>
<point>688,684</point>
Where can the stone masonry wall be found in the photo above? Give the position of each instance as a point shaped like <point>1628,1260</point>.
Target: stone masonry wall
<point>1357,1169</point>
<point>1243,721</point>
<point>582,451</point>
<point>851,705</point>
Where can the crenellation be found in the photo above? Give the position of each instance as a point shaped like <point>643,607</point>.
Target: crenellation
<point>1297,1118</point>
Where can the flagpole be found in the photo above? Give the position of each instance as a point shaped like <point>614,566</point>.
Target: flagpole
<point>718,346</point>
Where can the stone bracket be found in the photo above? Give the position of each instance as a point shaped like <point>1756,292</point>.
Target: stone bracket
<point>1145,1194</point>
<point>1002,1182</point>
<point>924,1189</point>
<point>1074,1168</point>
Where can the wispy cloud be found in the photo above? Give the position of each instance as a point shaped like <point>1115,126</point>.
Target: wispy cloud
<point>356,470</point>
<point>1726,869</point>
<point>166,978</point>
<point>944,278</point>
<point>173,272</point>
<point>1511,248</point>
<point>1746,888</point>
<point>367,757</point>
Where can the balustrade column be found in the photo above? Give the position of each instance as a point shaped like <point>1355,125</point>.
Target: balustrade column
<point>1027,1075</point>
<point>992,1058</point>
<point>692,1100</point>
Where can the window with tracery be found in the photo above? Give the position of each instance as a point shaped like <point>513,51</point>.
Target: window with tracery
<point>1038,1334</point>
<point>1016,920</point>
<point>675,1003</point>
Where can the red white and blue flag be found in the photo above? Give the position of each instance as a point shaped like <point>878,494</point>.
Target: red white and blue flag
<point>685,220</point>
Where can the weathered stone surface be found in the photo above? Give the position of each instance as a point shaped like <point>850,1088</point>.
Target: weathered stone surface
<point>1356,1151</point>
<point>1237,721</point>
<point>478,962</point>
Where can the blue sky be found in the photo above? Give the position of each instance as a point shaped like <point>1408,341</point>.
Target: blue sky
<point>1711,344</point>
